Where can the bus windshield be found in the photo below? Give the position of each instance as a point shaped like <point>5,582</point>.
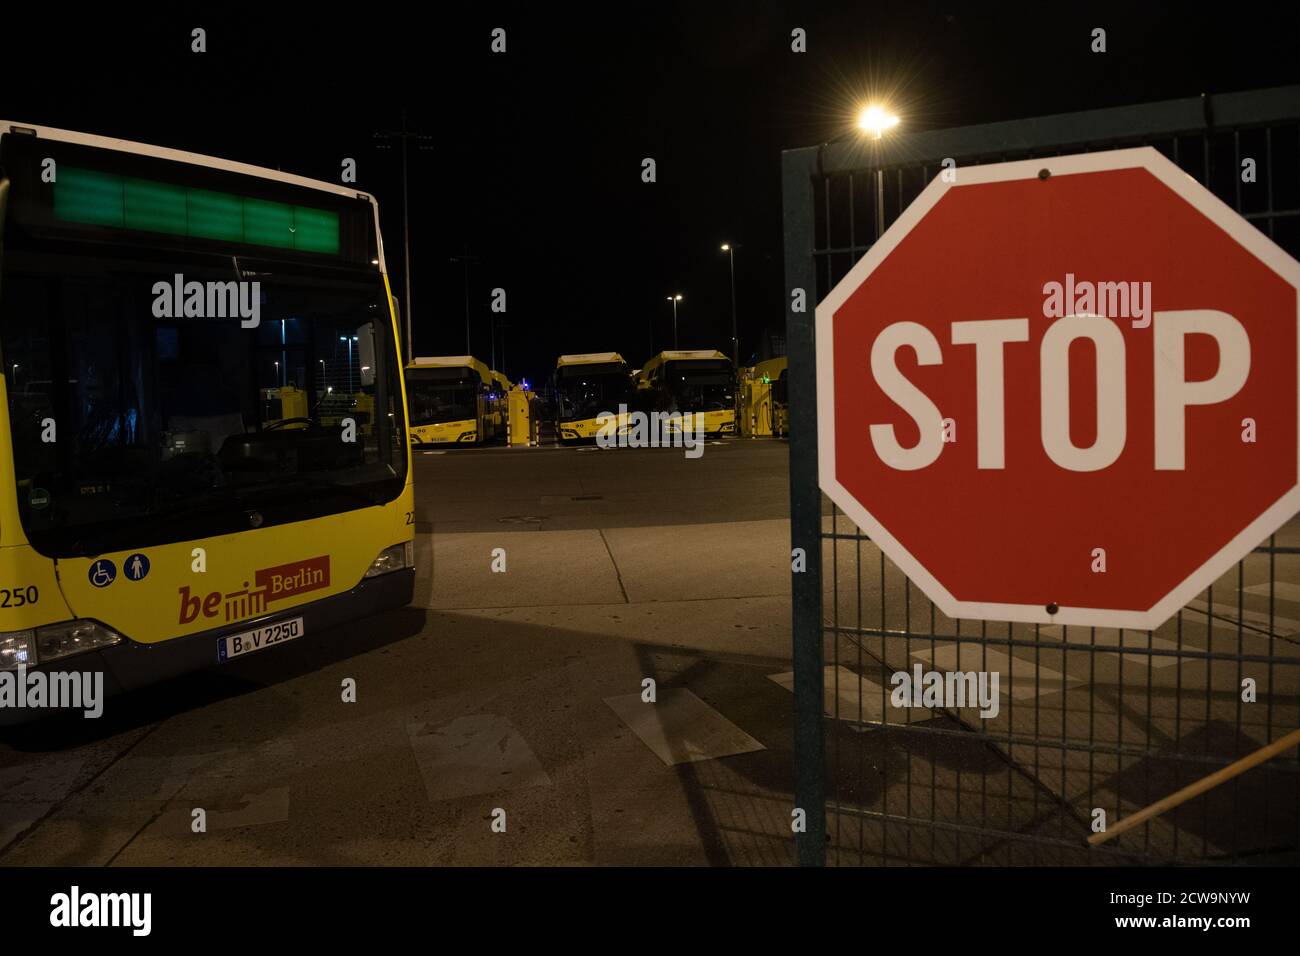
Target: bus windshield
<point>132,429</point>
<point>584,391</point>
<point>438,395</point>
<point>700,386</point>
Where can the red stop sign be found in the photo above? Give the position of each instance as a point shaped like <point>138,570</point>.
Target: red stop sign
<point>1064,390</point>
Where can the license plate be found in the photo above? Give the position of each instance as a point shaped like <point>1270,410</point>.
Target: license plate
<point>235,645</point>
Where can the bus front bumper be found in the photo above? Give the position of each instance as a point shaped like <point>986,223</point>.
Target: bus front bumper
<point>445,433</point>
<point>131,665</point>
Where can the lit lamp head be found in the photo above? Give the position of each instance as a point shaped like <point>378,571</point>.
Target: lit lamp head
<point>875,120</point>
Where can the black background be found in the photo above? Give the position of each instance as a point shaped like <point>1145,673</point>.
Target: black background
<point>921,910</point>
<point>533,157</point>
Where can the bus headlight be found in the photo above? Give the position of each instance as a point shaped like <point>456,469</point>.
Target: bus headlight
<point>396,558</point>
<point>72,637</point>
<point>17,648</point>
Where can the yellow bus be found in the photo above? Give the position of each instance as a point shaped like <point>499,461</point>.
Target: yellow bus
<point>780,397</point>
<point>762,407</point>
<point>450,399</point>
<point>172,495</point>
<point>697,381</point>
<point>585,386</point>
<point>500,395</point>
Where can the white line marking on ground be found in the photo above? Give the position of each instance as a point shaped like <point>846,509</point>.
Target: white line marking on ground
<point>856,691</point>
<point>1282,626</point>
<point>1108,637</point>
<point>681,728</point>
<point>1020,678</point>
<point>474,754</point>
<point>1282,590</point>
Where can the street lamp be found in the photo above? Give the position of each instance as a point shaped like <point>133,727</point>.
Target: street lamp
<point>874,120</point>
<point>674,299</point>
<point>735,339</point>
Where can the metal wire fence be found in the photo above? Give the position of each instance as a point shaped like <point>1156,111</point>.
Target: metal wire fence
<point>1093,721</point>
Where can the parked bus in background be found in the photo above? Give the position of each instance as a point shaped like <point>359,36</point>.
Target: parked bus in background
<point>761,407</point>
<point>450,400</point>
<point>585,386</point>
<point>781,398</point>
<point>176,489</point>
<point>500,397</point>
<point>697,381</point>
<point>639,385</point>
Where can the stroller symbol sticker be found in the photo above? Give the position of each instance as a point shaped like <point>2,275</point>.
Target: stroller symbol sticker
<point>102,573</point>
<point>136,567</point>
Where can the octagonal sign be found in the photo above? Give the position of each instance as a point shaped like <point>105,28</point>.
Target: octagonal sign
<point>1064,390</point>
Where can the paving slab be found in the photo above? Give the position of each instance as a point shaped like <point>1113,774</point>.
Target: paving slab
<point>1020,678</point>
<point>680,728</point>
<point>1108,637</point>
<point>553,567</point>
<point>855,691</point>
<point>750,627</point>
<point>701,561</point>
<point>474,754</point>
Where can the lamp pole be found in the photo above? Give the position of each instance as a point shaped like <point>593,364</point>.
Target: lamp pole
<point>730,250</point>
<point>674,299</point>
<point>403,135</point>
<point>466,259</point>
<point>874,120</point>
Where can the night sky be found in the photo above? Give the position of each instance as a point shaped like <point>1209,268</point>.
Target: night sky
<point>533,157</point>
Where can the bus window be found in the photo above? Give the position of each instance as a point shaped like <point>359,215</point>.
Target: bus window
<point>157,414</point>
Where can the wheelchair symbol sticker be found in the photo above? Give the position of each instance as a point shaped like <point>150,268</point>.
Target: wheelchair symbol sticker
<point>103,573</point>
<point>136,567</point>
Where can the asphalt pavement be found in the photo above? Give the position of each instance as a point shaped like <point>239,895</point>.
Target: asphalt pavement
<point>503,718</point>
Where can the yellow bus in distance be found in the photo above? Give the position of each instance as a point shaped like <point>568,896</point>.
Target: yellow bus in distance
<point>587,385</point>
<point>500,396</point>
<point>450,400</point>
<point>699,381</point>
<point>762,407</point>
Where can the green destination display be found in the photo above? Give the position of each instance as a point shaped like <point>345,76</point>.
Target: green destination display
<point>105,199</point>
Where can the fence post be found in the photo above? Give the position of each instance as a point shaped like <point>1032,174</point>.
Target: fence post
<point>805,507</point>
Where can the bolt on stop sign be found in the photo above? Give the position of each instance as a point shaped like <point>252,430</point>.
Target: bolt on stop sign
<point>1064,390</point>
